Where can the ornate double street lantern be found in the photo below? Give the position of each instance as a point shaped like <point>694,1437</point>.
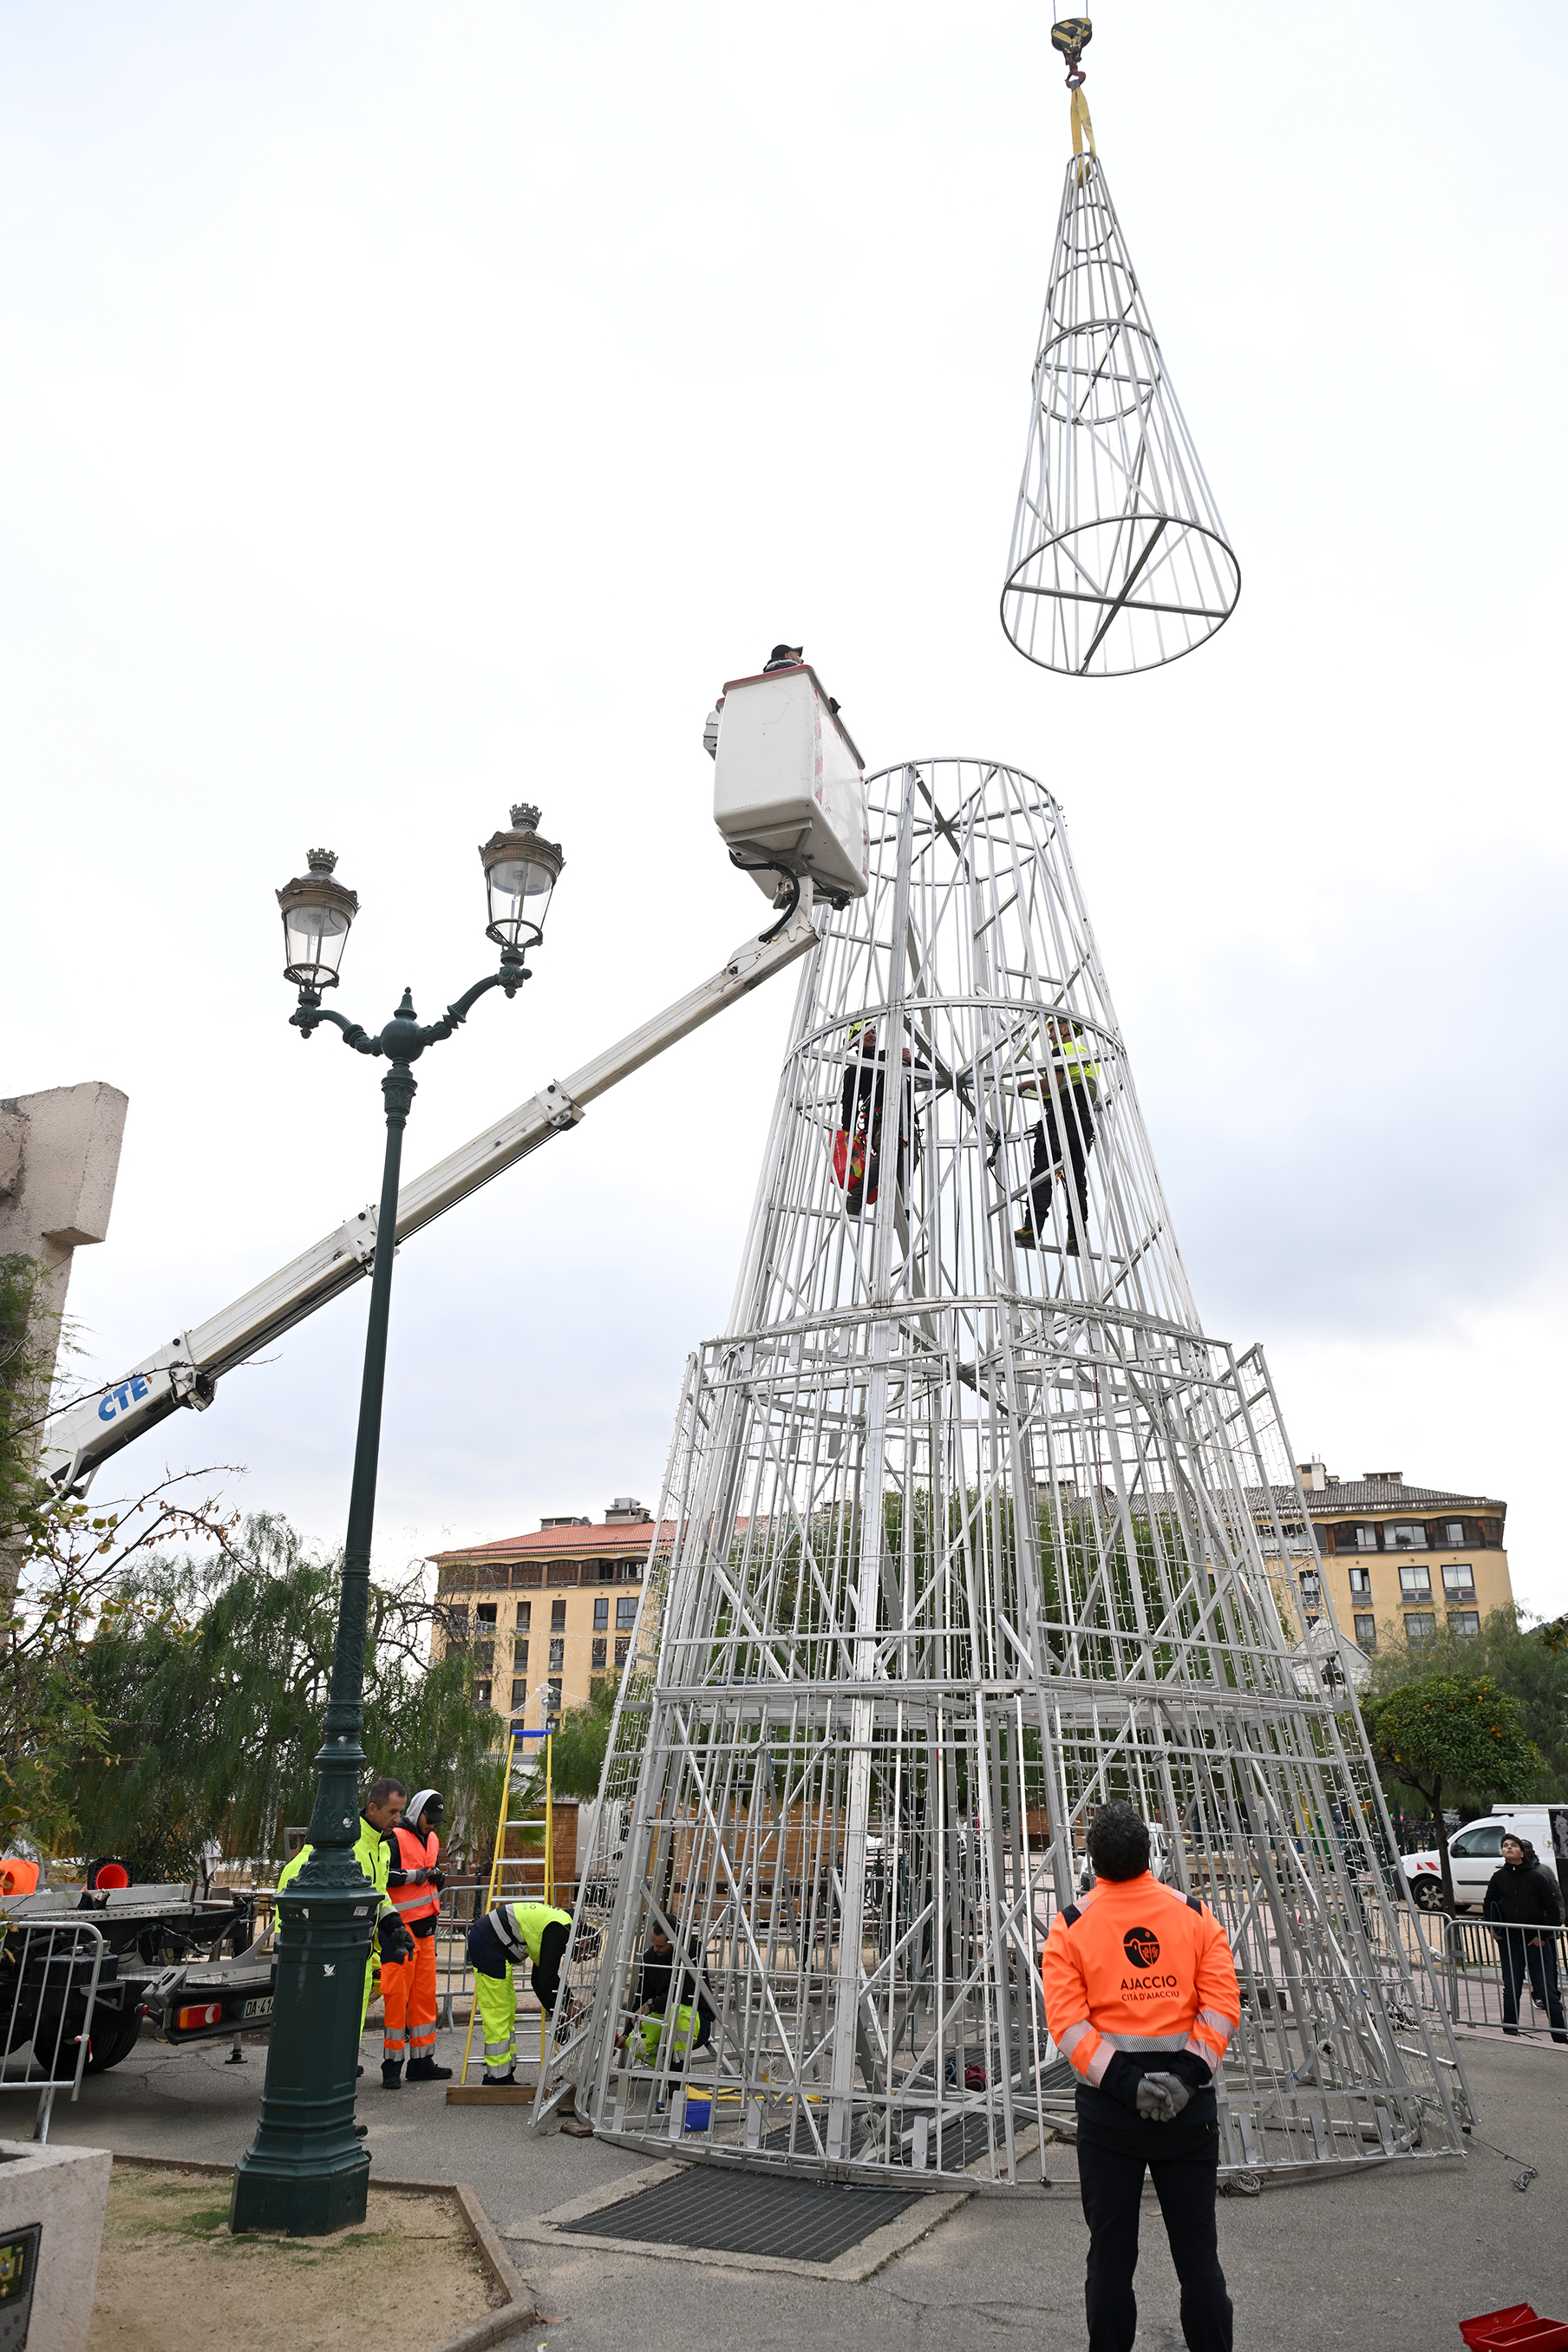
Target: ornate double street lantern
<point>305,2171</point>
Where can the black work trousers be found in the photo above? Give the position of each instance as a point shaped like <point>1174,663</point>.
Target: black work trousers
<point>1111,2180</point>
<point>1518,1956</point>
<point>1054,1149</point>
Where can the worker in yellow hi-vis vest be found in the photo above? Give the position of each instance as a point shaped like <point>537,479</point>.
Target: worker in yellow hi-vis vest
<point>383,1809</point>
<point>498,1944</point>
<point>1067,1089</point>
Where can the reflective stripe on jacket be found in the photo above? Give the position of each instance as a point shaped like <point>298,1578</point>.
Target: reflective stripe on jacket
<point>518,1928</point>
<point>409,1851</point>
<point>1076,1066</point>
<point>1135,1965</point>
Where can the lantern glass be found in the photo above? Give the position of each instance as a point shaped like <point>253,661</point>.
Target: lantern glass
<point>520,874</point>
<point>317,913</point>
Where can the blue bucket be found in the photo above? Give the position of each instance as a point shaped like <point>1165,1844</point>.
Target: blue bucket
<point>699,2113</point>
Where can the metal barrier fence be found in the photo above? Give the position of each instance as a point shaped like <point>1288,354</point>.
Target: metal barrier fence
<point>1486,1975</point>
<point>50,1979</point>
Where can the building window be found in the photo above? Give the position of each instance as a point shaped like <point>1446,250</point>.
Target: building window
<point>1420,1625</point>
<point>485,1614</point>
<point>1361,1539</point>
<point>606,1569</point>
<point>481,1693</point>
<point>557,1656</point>
<point>1366,1634</point>
<point>1463,1623</point>
<point>597,1660</point>
<point>1361,1581</point>
<point>625,1611</point>
<point>524,1615</point>
<point>630,1572</point>
<point>623,1648</point>
<point>553,1702</point>
<point>602,1614</point>
<point>1415,1583</point>
<point>1454,1531</point>
<point>1311,1587</point>
<point>1459,1576</point>
<point>561,1572</point>
<point>519,1655</point>
<point>518,1695</point>
<point>1405,1535</point>
<point>558,1616</point>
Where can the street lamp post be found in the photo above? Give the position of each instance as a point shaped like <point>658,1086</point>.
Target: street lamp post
<point>305,2171</point>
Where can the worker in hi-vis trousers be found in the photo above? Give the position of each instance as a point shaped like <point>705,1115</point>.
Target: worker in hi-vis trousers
<point>1141,2000</point>
<point>498,1944</point>
<point>382,1811</point>
<point>414,1882</point>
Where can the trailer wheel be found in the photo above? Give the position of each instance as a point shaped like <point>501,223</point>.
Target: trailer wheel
<point>112,2039</point>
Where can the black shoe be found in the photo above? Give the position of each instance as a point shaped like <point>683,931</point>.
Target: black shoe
<point>499,2082</point>
<point>358,2071</point>
<point>1024,1237</point>
<point>361,2130</point>
<point>425,2070</point>
<point>392,2073</point>
<point>1070,1247</point>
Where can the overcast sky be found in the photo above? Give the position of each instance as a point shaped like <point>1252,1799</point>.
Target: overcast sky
<point>404,411</point>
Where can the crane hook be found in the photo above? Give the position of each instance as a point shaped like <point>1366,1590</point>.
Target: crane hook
<point>1071,36</point>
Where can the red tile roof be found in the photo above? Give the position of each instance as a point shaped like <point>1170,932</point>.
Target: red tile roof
<point>631,1536</point>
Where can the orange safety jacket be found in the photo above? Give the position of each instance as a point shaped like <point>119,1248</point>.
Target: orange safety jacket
<point>411,1851</point>
<point>1139,1967</point>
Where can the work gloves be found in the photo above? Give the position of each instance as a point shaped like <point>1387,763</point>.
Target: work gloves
<point>1162,2097</point>
<point>394,1937</point>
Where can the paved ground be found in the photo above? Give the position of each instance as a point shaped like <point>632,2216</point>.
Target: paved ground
<point>1391,2260</point>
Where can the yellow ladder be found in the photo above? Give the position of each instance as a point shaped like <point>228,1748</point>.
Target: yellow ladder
<point>492,1892</point>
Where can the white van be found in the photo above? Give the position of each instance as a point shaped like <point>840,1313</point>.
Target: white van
<point>1475,1852</point>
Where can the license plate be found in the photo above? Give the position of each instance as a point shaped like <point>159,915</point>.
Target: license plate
<point>260,2008</point>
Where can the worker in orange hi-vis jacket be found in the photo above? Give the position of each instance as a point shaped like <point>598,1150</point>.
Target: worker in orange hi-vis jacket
<point>1142,1998</point>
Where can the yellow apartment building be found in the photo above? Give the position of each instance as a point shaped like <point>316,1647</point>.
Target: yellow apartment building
<point>549,1615</point>
<point>1400,1559</point>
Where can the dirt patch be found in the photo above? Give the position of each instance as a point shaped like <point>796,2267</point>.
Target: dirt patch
<point>172,2278</point>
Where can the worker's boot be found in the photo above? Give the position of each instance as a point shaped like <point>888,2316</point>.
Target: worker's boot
<point>391,2074</point>
<point>425,2070</point>
<point>1023,1238</point>
<point>499,2082</point>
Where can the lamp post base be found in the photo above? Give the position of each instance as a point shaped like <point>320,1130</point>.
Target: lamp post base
<point>305,2172</point>
<point>309,2203</point>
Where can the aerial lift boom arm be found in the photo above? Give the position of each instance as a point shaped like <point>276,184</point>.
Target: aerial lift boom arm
<point>186,1371</point>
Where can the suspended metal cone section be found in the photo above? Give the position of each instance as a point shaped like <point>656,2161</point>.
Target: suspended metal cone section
<point>961,1538</point>
<point>1119,559</point>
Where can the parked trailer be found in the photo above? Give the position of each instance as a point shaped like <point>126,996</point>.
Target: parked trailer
<point>182,1962</point>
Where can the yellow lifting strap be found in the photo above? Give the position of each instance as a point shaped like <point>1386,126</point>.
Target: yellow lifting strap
<point>1082,129</point>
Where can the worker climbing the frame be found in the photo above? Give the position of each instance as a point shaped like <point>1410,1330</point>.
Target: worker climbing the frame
<point>1142,2000</point>
<point>414,1882</point>
<point>393,1943</point>
<point>858,1145</point>
<point>1068,1090</point>
<point>498,1944</point>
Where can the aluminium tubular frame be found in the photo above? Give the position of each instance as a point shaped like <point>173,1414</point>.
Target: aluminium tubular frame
<point>967,1528</point>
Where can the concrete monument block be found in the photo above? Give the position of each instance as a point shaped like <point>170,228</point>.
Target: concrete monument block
<point>52,2203</point>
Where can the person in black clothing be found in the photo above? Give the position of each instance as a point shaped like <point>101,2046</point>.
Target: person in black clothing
<point>653,1993</point>
<point>1524,1895</point>
<point>783,658</point>
<point>861,1122</point>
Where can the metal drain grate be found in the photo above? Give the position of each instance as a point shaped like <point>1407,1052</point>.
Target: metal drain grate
<point>748,2213</point>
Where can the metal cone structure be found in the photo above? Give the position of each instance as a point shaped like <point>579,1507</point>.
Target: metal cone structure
<point>961,1536</point>
<point>1120,560</point>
